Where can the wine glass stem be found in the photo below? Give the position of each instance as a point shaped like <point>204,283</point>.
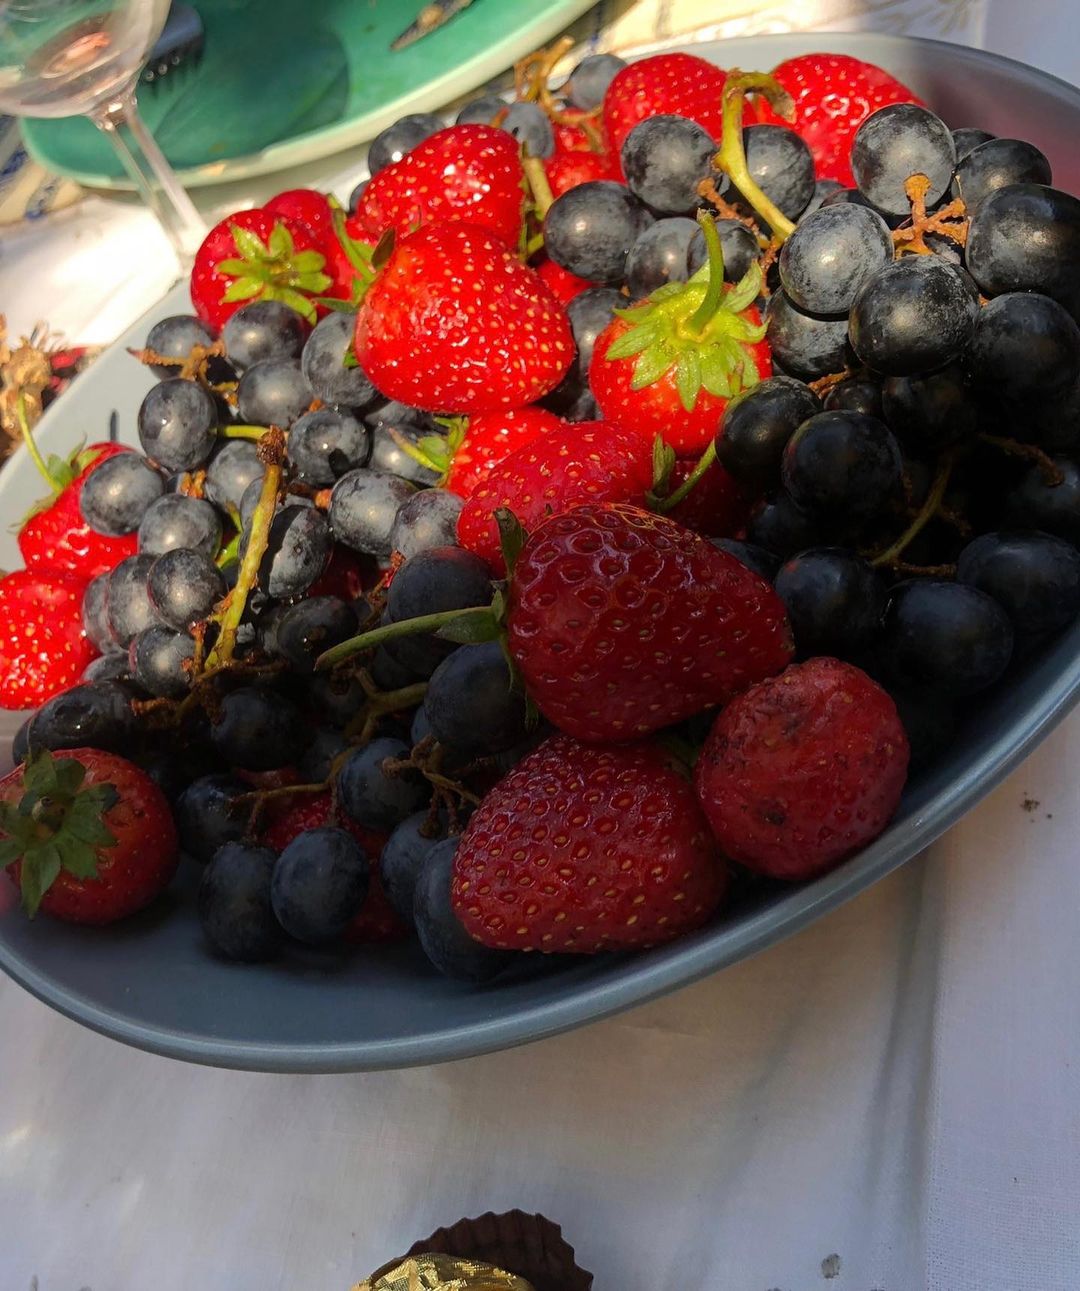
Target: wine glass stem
<point>151,174</point>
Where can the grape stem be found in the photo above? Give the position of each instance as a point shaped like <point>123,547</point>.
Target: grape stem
<point>32,448</point>
<point>1048,468</point>
<point>891,555</point>
<point>392,631</point>
<point>950,221</point>
<point>543,197</point>
<point>379,703</point>
<point>242,432</point>
<point>707,458</point>
<point>731,158</point>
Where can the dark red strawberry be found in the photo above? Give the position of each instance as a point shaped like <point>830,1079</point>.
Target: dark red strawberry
<point>568,169</point>
<point>585,849</point>
<point>376,920</point>
<point>489,439</point>
<point>455,323</point>
<point>257,255</point>
<point>834,94</point>
<point>803,769</point>
<point>43,648</point>
<point>681,85</point>
<point>622,622</point>
<point>716,506</point>
<point>346,575</point>
<point>312,209</point>
<point>56,538</point>
<point>87,836</point>
<point>591,461</point>
<point>563,284</point>
<point>669,366</point>
<point>471,173</point>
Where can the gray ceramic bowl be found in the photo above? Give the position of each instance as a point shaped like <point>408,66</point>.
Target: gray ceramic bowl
<point>150,981</point>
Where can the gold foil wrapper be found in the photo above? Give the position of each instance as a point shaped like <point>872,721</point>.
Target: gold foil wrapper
<point>443,1273</point>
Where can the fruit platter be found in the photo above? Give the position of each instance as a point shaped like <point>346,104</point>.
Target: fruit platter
<point>642,516</point>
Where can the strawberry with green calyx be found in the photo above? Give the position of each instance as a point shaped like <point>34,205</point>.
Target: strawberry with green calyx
<point>668,366</point>
<point>86,835</point>
<point>44,648</point>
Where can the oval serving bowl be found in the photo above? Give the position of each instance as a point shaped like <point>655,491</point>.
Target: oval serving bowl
<point>150,981</point>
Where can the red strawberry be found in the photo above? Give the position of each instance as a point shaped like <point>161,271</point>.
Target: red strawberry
<point>583,849</point>
<point>376,920</point>
<point>455,323</point>
<point>489,439</point>
<point>591,461</point>
<point>716,506</point>
<point>622,622</point>
<point>43,649</point>
<point>668,366</point>
<point>568,169</point>
<point>563,284</point>
<point>680,84</point>
<point>345,575</point>
<point>834,94</point>
<point>312,209</point>
<point>256,255</point>
<point>803,769</point>
<point>471,173</point>
<point>57,540</point>
<point>570,137</point>
<point>87,836</point>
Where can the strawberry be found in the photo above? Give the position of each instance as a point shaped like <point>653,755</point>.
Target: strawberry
<point>376,921</point>
<point>591,461</point>
<point>489,439</point>
<point>43,648</point>
<point>470,172</point>
<point>834,94</point>
<point>803,769</point>
<point>565,170</point>
<point>585,849</point>
<point>669,366</point>
<point>455,323</point>
<point>257,255</point>
<point>346,575</point>
<point>55,539</point>
<point>716,506</point>
<point>570,137</point>
<point>681,85</point>
<point>87,835</point>
<point>622,622</point>
<point>312,209</point>
<point>562,284</point>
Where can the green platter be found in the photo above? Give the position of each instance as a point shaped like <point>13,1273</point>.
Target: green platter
<point>280,84</point>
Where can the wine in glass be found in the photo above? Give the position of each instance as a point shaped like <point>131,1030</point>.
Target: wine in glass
<point>62,58</point>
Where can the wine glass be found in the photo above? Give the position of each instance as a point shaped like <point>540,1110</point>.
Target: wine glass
<point>60,58</point>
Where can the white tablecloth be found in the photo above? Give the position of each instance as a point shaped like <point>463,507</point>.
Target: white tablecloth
<point>889,1101</point>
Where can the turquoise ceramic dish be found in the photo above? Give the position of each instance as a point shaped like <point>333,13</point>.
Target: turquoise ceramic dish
<point>150,981</point>
<point>278,85</point>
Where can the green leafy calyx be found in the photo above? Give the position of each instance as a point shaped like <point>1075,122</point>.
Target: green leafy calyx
<point>274,270</point>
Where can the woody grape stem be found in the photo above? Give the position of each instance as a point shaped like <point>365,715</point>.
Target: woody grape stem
<point>731,158</point>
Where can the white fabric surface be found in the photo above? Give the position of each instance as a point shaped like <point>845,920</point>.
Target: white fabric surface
<point>889,1101</point>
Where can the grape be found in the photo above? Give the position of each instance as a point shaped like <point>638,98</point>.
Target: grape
<point>389,458</point>
<point>917,314</point>
<point>363,507</point>
<point>1054,508</point>
<point>357,193</point>
<point>401,137</point>
<point>835,601</point>
<point>591,228</point>
<point>842,467</point>
<point>324,444</point>
<point>480,112</point>
<point>946,636</point>
<point>234,903</point>
<point>175,338</point>
<point>442,938</point>
<point>830,255</point>
<point>273,393</point>
<point>756,427</point>
<point>782,529</point>
<point>930,411</point>
<point>319,883</point>
<point>589,313</point>
<point>324,364</point>
<point>1052,422</point>
<point>1026,237</point>
<point>157,658</point>
<point>1033,576</point>
<point>861,394</point>
<point>425,520</point>
<point>823,189</point>
<point>929,721</point>
<point>127,600</point>
<point>782,165</point>
<point>996,164</point>
<point>531,127</point>
<point>95,613</point>
<point>895,143</point>
<point>404,856</point>
<point>804,344</point>
<point>308,628</point>
<point>183,587</point>
<point>116,494</point>
<point>317,761</point>
<point>753,557</point>
<point>388,673</point>
<point>660,255</point>
<point>264,329</point>
<point>431,582</point>
<point>178,424</point>
<point>739,246</point>
<point>967,138</point>
<point>257,729</point>
<point>176,520</point>
<point>472,703</point>
<point>209,815</point>
<point>297,550</point>
<point>1024,345</point>
<point>370,795</point>
<point>233,466</point>
<point>107,667</point>
<point>852,197</point>
<point>588,82</point>
<point>94,715</point>
<point>664,159</point>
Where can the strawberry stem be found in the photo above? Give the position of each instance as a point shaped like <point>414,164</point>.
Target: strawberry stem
<point>710,303</point>
<point>392,631</point>
<point>731,158</point>
<point>32,448</point>
<point>664,505</point>
<point>543,197</point>
<point>242,432</point>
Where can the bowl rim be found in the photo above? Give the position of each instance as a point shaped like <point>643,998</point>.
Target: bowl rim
<point>644,978</point>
